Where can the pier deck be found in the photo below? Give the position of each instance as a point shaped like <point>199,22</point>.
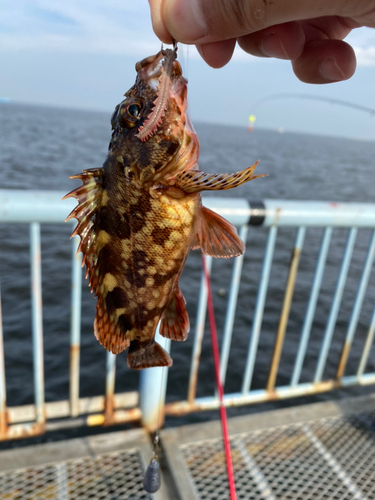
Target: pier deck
<point>318,451</point>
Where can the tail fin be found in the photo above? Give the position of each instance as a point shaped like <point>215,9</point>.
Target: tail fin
<point>147,357</point>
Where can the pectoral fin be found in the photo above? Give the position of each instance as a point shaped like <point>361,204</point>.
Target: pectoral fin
<point>217,236</point>
<point>196,181</point>
<point>175,323</point>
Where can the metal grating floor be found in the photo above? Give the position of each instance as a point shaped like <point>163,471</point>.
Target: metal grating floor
<point>108,466</point>
<point>280,455</point>
<point>327,459</point>
<point>114,476</point>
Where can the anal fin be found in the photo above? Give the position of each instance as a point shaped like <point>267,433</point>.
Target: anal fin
<point>217,236</point>
<point>175,322</point>
<point>109,334</point>
<point>150,356</point>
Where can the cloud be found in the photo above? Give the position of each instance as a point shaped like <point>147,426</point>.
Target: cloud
<point>363,42</point>
<point>113,27</point>
<point>365,56</point>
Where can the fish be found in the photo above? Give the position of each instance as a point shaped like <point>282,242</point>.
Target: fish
<point>140,214</point>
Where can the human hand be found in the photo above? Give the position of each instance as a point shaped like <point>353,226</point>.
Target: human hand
<point>310,33</point>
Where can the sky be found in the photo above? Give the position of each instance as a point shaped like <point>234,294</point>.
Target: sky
<point>81,54</point>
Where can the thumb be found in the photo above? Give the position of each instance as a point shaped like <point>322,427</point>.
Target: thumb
<point>203,21</point>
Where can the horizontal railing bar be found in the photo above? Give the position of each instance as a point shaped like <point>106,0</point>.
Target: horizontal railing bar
<point>27,430</point>
<point>25,206</point>
<point>319,214</point>
<point>18,205</point>
<point>61,409</point>
<point>262,395</point>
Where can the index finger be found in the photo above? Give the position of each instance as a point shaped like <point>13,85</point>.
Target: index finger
<point>205,21</point>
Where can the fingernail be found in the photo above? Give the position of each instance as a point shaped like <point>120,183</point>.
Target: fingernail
<point>330,70</point>
<point>185,20</point>
<point>271,46</point>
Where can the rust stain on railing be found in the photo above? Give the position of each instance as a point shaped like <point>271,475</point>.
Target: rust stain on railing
<point>343,360</point>
<point>109,409</point>
<point>22,431</point>
<point>74,380</point>
<point>117,417</point>
<point>194,377</point>
<point>284,317</point>
<point>4,419</point>
<point>179,408</point>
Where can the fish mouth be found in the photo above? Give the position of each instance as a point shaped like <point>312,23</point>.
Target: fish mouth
<point>163,73</point>
<point>151,69</point>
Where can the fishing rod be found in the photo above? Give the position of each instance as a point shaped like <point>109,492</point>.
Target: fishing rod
<point>313,97</point>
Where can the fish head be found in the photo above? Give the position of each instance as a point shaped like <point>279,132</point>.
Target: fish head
<point>152,131</point>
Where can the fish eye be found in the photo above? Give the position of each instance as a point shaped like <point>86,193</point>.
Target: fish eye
<point>131,112</point>
<point>134,110</point>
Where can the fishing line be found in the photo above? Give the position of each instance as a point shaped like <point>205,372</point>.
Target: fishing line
<point>313,97</point>
<point>152,480</point>
<point>216,356</point>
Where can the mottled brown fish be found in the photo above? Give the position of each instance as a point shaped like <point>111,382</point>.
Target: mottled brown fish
<point>141,213</point>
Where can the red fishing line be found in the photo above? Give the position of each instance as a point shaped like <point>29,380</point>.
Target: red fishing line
<point>220,390</point>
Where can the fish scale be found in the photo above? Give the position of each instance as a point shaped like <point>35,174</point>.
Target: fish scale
<point>141,213</point>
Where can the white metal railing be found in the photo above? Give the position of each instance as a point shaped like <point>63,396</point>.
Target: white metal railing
<point>38,207</point>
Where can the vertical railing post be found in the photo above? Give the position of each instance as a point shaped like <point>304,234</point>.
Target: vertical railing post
<point>37,321</point>
<point>367,347</point>
<point>311,307</point>
<point>199,333</point>
<point>357,307</point>
<point>231,308</point>
<point>337,297</point>
<point>75,328</point>
<point>3,394</point>
<point>110,380</point>
<point>259,309</point>
<point>285,310</point>
<point>153,388</point>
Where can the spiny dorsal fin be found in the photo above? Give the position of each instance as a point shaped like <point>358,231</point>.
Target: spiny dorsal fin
<point>217,236</point>
<point>196,181</point>
<point>89,197</point>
